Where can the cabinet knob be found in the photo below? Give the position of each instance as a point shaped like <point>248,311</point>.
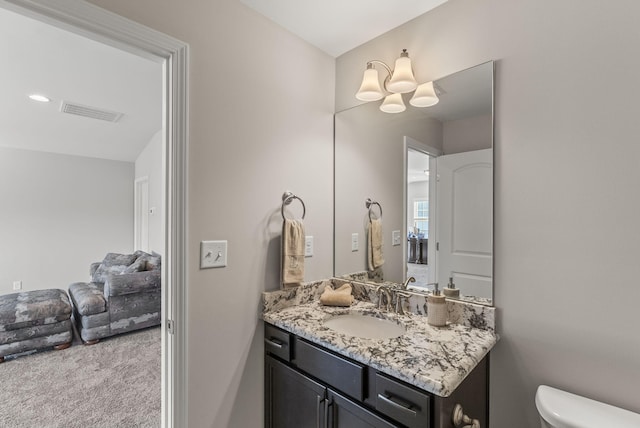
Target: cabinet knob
<point>460,420</point>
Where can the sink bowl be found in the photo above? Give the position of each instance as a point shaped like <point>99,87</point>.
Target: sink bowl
<point>364,326</point>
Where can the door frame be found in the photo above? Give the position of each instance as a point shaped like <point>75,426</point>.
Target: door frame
<point>106,27</point>
<point>141,213</point>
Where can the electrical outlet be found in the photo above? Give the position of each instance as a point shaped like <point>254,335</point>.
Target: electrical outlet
<point>17,285</point>
<point>213,254</point>
<point>354,242</point>
<point>308,246</point>
<point>395,238</point>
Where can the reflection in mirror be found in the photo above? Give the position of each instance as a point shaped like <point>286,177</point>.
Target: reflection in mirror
<point>431,171</point>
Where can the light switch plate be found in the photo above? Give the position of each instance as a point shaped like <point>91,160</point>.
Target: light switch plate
<point>213,254</point>
<point>308,246</point>
<point>395,238</point>
<point>354,242</point>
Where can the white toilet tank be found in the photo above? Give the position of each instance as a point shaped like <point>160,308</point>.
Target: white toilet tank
<point>560,409</point>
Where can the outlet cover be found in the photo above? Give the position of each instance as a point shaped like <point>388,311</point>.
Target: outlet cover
<point>213,254</point>
<point>308,246</point>
<point>17,285</point>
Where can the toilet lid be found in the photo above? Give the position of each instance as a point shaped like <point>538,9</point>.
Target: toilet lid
<point>565,410</point>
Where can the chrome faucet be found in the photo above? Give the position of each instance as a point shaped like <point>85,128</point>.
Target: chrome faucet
<point>406,283</point>
<point>399,296</point>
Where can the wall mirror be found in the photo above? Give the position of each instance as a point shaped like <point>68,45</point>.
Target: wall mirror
<point>430,171</point>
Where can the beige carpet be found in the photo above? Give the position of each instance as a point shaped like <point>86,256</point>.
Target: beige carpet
<point>114,383</point>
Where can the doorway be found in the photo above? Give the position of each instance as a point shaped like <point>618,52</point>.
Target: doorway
<point>420,177</point>
<point>95,23</point>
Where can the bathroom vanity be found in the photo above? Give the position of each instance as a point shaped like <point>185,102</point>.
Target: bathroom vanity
<point>316,376</point>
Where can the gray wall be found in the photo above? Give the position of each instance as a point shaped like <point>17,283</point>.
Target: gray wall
<point>261,115</point>
<point>150,163</point>
<point>567,172</point>
<point>58,214</point>
<point>465,135</point>
<point>369,164</point>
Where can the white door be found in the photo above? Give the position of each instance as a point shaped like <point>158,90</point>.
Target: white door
<point>141,212</point>
<point>465,220</point>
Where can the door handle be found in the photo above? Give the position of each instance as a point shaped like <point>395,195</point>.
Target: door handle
<point>319,401</point>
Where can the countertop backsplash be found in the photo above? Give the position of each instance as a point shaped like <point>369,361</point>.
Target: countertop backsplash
<point>460,312</point>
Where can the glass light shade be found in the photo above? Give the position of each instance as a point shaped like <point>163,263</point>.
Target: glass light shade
<point>402,80</point>
<point>393,104</point>
<point>370,89</point>
<point>425,96</point>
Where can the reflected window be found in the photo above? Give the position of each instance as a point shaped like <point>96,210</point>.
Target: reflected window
<point>421,216</point>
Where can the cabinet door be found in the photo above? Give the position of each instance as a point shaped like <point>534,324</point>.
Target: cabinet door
<point>292,400</point>
<point>344,413</point>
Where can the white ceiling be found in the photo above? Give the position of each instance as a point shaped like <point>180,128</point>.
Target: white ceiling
<point>337,26</point>
<point>40,58</point>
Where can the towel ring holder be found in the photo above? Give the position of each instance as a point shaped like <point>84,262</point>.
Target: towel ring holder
<point>369,202</point>
<point>287,198</point>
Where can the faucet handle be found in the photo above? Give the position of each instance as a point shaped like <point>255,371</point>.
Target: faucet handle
<point>399,296</point>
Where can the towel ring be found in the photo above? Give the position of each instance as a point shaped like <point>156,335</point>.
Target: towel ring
<point>369,202</point>
<point>287,197</point>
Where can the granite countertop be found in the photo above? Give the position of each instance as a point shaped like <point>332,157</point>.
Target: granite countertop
<point>436,359</point>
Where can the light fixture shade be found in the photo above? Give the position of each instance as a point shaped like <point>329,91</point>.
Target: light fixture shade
<point>425,96</point>
<point>393,104</point>
<point>402,79</point>
<point>370,89</point>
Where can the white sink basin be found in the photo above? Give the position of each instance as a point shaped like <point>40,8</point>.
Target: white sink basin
<point>365,326</point>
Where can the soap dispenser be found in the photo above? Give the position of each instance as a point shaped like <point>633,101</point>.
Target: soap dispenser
<point>436,309</point>
<point>450,290</point>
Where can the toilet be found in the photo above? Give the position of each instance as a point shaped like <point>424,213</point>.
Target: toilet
<point>560,409</point>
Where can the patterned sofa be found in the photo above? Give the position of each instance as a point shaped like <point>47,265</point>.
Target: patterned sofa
<point>124,295</point>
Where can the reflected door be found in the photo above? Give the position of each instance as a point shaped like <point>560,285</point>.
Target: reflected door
<point>464,221</point>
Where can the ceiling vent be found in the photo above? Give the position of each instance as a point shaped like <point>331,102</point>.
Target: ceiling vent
<point>92,112</point>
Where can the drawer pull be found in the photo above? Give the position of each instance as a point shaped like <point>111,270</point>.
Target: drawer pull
<point>397,406</point>
<point>274,342</point>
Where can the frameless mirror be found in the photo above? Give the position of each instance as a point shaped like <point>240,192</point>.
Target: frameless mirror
<point>429,173</point>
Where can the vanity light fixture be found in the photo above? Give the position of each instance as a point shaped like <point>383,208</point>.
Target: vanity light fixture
<point>39,98</point>
<point>398,81</point>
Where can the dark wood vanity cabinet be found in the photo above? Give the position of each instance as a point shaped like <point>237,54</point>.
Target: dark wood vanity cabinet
<point>309,386</point>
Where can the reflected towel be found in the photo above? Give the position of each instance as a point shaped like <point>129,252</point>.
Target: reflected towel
<point>374,244</point>
<point>292,253</point>
<point>338,297</point>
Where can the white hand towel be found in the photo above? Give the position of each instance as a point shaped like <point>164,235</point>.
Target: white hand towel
<point>374,244</point>
<point>292,253</point>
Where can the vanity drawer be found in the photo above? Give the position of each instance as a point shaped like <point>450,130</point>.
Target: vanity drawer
<point>402,403</point>
<point>346,376</point>
<point>277,342</point>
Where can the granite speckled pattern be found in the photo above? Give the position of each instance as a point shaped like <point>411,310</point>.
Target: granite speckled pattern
<point>431,358</point>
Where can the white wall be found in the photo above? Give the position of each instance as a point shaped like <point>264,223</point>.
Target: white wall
<point>261,106</point>
<point>465,135</point>
<point>150,164</point>
<point>59,214</point>
<point>566,189</point>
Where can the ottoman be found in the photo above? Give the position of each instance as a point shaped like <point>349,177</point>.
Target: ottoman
<point>33,320</point>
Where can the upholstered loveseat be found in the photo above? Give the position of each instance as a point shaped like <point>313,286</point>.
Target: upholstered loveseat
<point>124,294</point>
